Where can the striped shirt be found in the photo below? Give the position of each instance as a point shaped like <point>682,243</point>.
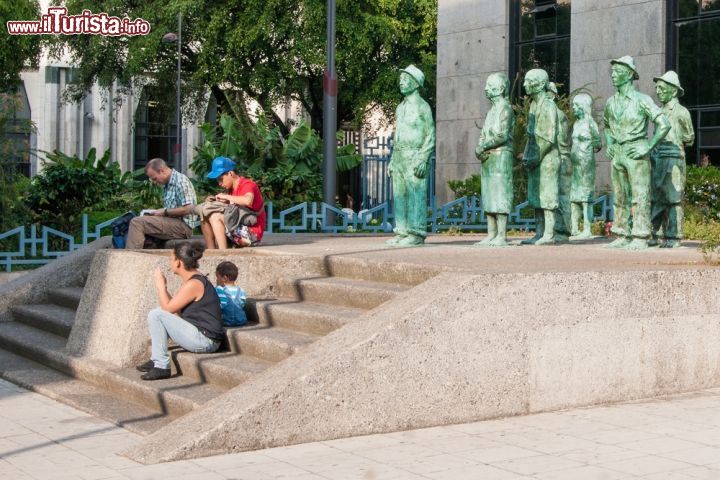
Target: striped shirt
<point>179,192</point>
<point>232,302</point>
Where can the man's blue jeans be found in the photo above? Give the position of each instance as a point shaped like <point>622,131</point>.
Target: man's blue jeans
<point>164,325</point>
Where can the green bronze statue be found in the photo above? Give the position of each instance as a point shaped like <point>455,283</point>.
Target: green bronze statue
<point>410,161</point>
<point>494,150</point>
<point>563,215</point>
<point>627,114</point>
<point>585,143</point>
<point>668,163</point>
<point>542,158</point>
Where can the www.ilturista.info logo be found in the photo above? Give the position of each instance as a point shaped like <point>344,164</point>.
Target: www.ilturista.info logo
<point>58,22</point>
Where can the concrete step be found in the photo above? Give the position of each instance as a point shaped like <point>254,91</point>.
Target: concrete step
<point>271,344</point>
<point>66,297</point>
<point>80,395</point>
<point>301,316</point>
<point>48,317</point>
<point>344,292</point>
<point>38,345</point>
<point>222,369</point>
<point>384,271</point>
<point>174,396</point>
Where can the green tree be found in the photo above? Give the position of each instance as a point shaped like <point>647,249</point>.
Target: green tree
<point>17,51</point>
<point>266,50</point>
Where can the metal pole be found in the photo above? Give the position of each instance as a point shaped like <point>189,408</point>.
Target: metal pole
<point>330,115</point>
<point>178,135</point>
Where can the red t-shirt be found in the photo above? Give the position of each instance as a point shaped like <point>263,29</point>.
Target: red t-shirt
<point>245,186</point>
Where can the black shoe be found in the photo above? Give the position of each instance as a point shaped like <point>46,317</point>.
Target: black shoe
<point>156,374</point>
<point>145,367</point>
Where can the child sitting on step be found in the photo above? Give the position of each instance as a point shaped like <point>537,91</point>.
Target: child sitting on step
<point>232,297</point>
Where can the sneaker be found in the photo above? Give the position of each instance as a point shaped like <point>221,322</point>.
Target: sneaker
<point>156,374</point>
<point>145,367</point>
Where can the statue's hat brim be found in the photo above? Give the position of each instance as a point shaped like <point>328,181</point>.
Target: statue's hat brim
<point>628,61</point>
<point>671,78</point>
<point>415,73</point>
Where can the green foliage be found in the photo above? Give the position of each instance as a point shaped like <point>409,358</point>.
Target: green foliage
<point>702,193</point>
<point>69,186</point>
<point>12,184</point>
<point>287,169</point>
<point>17,51</point>
<point>466,188</point>
<point>265,50</point>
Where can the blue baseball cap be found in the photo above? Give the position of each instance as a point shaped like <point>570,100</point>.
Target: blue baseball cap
<point>220,166</point>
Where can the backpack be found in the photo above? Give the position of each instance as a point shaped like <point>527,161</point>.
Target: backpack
<point>120,227</point>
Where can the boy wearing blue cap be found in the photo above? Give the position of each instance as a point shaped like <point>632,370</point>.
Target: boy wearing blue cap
<point>241,192</point>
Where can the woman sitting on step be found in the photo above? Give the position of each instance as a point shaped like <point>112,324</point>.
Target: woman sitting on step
<point>192,318</point>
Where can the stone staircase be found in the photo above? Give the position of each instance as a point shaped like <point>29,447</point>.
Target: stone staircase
<point>33,350</point>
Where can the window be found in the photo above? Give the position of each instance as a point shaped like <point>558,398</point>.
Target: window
<point>540,38</point>
<point>15,129</point>
<point>692,51</point>
<point>155,132</point>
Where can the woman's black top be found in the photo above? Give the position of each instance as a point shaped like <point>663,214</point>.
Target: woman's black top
<point>205,313</point>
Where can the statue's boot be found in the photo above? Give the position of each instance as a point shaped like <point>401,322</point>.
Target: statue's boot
<point>620,242</point>
<point>637,244</point>
<point>549,237</point>
<point>411,241</point>
<point>672,243</point>
<point>395,240</point>
<point>539,228</point>
<point>500,239</point>
<point>492,232</point>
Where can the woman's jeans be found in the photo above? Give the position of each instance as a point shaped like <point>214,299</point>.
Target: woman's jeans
<point>164,325</point>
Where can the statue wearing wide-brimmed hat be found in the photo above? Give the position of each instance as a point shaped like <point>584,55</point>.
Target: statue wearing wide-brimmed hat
<point>414,142</point>
<point>627,114</point>
<point>668,163</point>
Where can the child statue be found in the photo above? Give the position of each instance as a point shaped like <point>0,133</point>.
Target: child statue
<point>494,150</point>
<point>585,143</point>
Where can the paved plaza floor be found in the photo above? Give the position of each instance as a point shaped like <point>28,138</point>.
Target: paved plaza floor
<point>676,437</point>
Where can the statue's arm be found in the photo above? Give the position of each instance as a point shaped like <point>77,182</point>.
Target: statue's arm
<point>662,127</point>
<point>609,140</point>
<point>429,128</point>
<point>662,124</point>
<point>688,133</point>
<point>502,131</point>
<point>595,134</point>
<point>546,130</point>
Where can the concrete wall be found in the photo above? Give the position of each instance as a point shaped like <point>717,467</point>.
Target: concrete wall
<point>118,277</point>
<point>32,286</point>
<point>472,43</point>
<point>449,352</point>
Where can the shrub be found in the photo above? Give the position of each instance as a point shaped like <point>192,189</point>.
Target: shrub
<point>287,170</point>
<point>466,188</point>
<point>702,193</point>
<point>67,186</point>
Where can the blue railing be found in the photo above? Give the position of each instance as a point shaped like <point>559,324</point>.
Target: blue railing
<point>464,214</point>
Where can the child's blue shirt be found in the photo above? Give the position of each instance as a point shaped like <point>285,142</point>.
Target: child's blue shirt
<point>232,302</point>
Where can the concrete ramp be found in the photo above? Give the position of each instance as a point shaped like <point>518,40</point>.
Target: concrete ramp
<point>463,347</point>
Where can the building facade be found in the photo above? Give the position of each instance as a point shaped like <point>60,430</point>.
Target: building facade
<point>574,40</point>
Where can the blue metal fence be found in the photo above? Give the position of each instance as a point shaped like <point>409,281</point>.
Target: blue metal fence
<point>464,214</point>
